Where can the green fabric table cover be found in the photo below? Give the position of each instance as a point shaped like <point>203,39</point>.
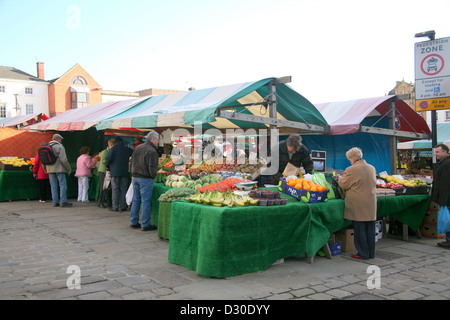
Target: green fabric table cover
<point>164,215</point>
<point>158,190</point>
<point>20,185</point>
<point>224,242</point>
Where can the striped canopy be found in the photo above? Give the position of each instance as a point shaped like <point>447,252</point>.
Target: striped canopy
<point>345,117</point>
<point>84,118</point>
<point>185,109</point>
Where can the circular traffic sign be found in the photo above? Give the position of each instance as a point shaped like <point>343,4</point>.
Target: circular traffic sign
<point>423,105</point>
<point>432,64</point>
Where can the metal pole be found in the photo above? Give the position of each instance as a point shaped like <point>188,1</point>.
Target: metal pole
<point>434,141</point>
<point>393,139</point>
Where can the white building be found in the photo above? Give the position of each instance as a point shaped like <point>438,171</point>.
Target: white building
<point>21,93</point>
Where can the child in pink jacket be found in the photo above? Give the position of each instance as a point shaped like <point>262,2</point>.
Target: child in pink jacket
<point>83,173</point>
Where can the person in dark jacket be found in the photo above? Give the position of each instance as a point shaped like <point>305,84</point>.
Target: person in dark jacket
<point>144,165</point>
<point>440,192</point>
<point>293,151</point>
<point>118,162</point>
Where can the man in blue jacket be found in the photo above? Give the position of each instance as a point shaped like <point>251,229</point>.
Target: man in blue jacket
<point>118,162</point>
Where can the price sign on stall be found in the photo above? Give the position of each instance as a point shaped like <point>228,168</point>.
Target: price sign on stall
<point>432,73</point>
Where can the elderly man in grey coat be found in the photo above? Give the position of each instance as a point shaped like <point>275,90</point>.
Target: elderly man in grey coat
<point>57,172</point>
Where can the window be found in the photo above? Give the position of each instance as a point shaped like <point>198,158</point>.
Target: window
<point>2,89</point>
<point>2,110</point>
<point>79,80</point>
<point>29,109</point>
<point>447,115</point>
<point>28,90</point>
<point>79,100</point>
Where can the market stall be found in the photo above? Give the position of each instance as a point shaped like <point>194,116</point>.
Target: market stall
<point>224,242</point>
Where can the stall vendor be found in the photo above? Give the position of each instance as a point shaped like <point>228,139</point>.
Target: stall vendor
<point>294,152</point>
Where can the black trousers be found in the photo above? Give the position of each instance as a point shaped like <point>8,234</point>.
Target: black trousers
<point>364,238</point>
<point>44,189</point>
<point>103,194</point>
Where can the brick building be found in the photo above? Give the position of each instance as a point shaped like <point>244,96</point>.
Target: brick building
<point>74,89</point>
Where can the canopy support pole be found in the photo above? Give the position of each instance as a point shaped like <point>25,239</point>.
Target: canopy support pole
<point>392,138</point>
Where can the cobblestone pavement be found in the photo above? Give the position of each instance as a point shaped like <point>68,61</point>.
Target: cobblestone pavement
<point>38,243</point>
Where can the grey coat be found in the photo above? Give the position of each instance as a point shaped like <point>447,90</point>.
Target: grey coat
<point>61,164</point>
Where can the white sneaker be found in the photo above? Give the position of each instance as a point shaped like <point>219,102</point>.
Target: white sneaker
<point>42,201</point>
<point>86,201</point>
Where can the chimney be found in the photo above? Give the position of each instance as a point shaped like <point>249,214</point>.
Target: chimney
<point>40,70</point>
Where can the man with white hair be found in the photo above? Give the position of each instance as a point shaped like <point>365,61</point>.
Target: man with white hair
<point>57,172</point>
<point>144,165</point>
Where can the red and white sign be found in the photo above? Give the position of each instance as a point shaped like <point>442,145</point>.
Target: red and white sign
<point>432,72</point>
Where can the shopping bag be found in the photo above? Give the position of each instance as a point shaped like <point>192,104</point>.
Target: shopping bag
<point>443,224</point>
<point>290,170</point>
<point>129,195</point>
<point>107,181</point>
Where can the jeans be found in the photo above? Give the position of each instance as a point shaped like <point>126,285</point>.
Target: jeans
<point>142,195</point>
<point>447,237</point>
<point>119,187</point>
<point>55,179</point>
<point>365,238</point>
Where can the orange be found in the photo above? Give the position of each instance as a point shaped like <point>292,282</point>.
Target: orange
<point>313,188</point>
<point>292,183</point>
<point>298,186</point>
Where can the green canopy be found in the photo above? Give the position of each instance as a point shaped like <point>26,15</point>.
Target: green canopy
<point>185,109</point>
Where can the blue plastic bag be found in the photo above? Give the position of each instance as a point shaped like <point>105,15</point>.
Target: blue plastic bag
<point>443,224</point>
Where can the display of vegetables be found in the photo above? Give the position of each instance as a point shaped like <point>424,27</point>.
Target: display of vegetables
<point>176,194</point>
<point>222,199</point>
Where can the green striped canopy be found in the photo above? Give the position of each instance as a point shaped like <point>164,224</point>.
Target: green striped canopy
<point>185,109</point>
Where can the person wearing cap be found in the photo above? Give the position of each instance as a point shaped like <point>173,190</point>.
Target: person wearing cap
<point>144,165</point>
<point>57,173</point>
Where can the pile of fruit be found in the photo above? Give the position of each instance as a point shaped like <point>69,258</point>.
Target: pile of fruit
<point>14,161</point>
<point>397,180</point>
<point>222,199</point>
<point>267,197</point>
<point>301,183</point>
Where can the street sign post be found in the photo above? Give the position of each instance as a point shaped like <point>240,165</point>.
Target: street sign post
<point>432,73</point>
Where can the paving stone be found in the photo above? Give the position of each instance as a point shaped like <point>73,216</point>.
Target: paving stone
<point>302,292</point>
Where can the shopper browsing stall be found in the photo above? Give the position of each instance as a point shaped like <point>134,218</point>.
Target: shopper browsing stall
<point>102,191</point>
<point>57,172</point>
<point>42,177</point>
<point>144,165</point>
<point>83,173</point>
<point>118,161</point>
<point>359,185</point>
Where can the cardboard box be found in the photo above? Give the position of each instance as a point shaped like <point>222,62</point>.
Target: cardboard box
<point>346,236</point>
<point>429,230</point>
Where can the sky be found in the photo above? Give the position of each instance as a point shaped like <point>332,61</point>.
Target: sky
<point>333,50</point>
